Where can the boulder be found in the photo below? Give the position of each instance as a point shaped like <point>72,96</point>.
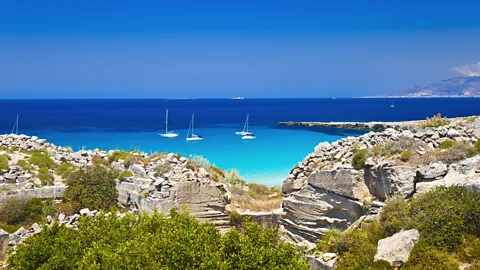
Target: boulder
<point>317,263</point>
<point>396,248</point>
<point>430,172</point>
<point>138,171</point>
<point>348,183</point>
<point>4,239</point>
<point>385,180</point>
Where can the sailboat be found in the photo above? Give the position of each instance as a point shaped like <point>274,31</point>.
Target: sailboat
<point>15,127</point>
<point>245,129</point>
<point>168,134</point>
<point>193,137</point>
<point>392,106</point>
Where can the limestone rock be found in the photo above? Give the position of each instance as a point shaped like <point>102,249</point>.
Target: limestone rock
<point>348,183</point>
<point>138,171</point>
<point>396,248</point>
<point>432,172</point>
<point>384,181</point>
<point>317,263</point>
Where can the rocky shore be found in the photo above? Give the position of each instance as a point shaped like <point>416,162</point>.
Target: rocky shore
<point>325,191</point>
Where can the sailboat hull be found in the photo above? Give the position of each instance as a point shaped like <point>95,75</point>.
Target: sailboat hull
<point>242,133</point>
<point>248,137</point>
<point>168,135</point>
<point>194,139</point>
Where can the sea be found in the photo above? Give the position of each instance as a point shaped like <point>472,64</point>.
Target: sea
<point>135,124</point>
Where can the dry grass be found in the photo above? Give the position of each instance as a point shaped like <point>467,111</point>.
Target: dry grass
<point>417,160</point>
<point>255,197</point>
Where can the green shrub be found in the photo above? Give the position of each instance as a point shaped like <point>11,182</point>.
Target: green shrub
<point>65,169</point>
<point>445,214</point>
<point>476,147</point>
<point>359,159</point>
<point>45,176</point>
<point>426,257</point>
<point>153,241</point>
<point>459,151</point>
<point>119,155</point>
<point>124,174</point>
<point>233,177</point>
<point>20,210</point>
<point>4,163</point>
<point>25,165</point>
<point>91,187</point>
<point>42,160</point>
<point>405,156</point>
<point>445,144</point>
<point>97,160</point>
<point>469,250</point>
<point>435,122</point>
<point>162,168</point>
<point>395,215</point>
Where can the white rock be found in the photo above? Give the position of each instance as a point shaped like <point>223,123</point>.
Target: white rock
<point>396,248</point>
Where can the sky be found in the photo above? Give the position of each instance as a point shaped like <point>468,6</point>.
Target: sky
<point>216,49</point>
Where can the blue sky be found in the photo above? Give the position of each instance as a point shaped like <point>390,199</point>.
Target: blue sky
<point>190,49</point>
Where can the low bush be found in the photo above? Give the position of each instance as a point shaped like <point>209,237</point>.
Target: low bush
<point>98,160</point>
<point>91,187</point>
<point>45,176</point>
<point>119,155</point>
<point>4,162</point>
<point>435,122</point>
<point>445,144</point>
<point>359,159</point>
<point>469,250</point>
<point>41,160</point>
<point>25,165</point>
<point>233,177</point>
<point>405,155</point>
<point>459,151</point>
<point>445,214</point>
<point>403,143</point>
<point>162,168</point>
<point>153,241</point>
<point>124,174</point>
<point>425,257</point>
<point>395,215</point>
<point>476,147</point>
<point>65,169</point>
<point>22,210</point>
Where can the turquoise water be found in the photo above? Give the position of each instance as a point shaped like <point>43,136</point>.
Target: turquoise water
<point>135,123</point>
<point>268,159</point>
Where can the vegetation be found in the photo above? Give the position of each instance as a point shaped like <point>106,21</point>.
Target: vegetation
<point>446,144</point>
<point>24,211</point>
<point>124,174</point>
<point>476,147</point>
<point>45,176</point>
<point>41,160</point>
<point>457,152</point>
<point>97,160</point>
<point>4,162</point>
<point>119,155</point>
<point>448,219</point>
<point>359,159</point>
<point>65,169</point>
<point>162,168</point>
<point>91,187</point>
<point>25,165</point>
<point>155,242</point>
<point>255,197</point>
<point>405,155</point>
<point>435,122</point>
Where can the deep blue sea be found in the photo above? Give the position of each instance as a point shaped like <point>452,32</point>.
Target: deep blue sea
<point>135,123</point>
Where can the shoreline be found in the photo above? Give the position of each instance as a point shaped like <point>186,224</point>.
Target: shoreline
<point>372,126</point>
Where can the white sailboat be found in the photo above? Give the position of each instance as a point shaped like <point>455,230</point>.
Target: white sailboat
<point>245,129</point>
<point>193,137</point>
<point>168,134</point>
<point>392,106</point>
<point>15,127</point>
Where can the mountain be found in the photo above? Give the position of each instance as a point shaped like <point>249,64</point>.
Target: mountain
<point>455,87</point>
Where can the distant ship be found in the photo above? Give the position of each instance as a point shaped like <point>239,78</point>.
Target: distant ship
<point>238,98</point>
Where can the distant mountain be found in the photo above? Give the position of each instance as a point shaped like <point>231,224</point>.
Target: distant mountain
<point>455,87</point>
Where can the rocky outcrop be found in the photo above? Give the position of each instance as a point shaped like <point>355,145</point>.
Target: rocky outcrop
<point>396,248</point>
<point>324,191</point>
<point>179,184</point>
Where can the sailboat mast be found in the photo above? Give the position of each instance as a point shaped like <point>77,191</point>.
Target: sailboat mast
<point>247,122</point>
<point>17,125</point>
<point>166,123</point>
<point>192,123</point>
